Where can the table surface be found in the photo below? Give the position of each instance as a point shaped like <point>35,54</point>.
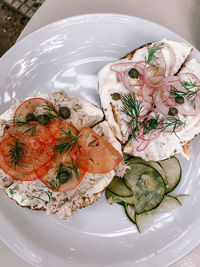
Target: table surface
<point>181,16</point>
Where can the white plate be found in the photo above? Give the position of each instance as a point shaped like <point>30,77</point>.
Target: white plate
<point>67,55</point>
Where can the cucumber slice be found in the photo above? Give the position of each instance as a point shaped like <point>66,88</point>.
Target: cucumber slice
<point>147,186</point>
<point>158,168</point>
<point>173,171</point>
<point>153,164</point>
<point>112,198</point>
<point>146,220</point>
<point>118,187</point>
<point>130,212</point>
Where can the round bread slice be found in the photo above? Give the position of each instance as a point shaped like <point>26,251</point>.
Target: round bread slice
<point>111,90</point>
<point>35,195</point>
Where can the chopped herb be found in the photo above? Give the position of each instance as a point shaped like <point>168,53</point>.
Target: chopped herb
<point>22,200</point>
<point>12,190</point>
<point>50,111</point>
<point>187,93</point>
<point>172,122</point>
<point>92,179</point>
<point>72,141</point>
<point>150,125</point>
<point>16,153</point>
<point>132,108</point>
<point>31,129</point>
<point>31,196</point>
<point>151,52</point>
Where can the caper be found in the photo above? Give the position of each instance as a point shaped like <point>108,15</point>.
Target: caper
<point>64,112</point>
<point>133,73</point>
<point>43,119</point>
<point>179,99</point>
<point>30,117</point>
<point>172,111</point>
<point>64,176</point>
<point>116,96</point>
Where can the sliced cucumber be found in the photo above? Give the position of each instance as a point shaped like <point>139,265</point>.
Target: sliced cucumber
<point>152,163</point>
<point>130,211</point>
<point>156,165</point>
<point>118,187</point>
<point>146,220</point>
<point>147,186</point>
<point>172,169</point>
<point>112,198</point>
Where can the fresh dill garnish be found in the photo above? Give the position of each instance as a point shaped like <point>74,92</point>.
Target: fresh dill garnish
<point>71,142</point>
<point>22,200</point>
<point>188,93</point>
<point>12,190</point>
<point>16,153</point>
<point>31,129</point>
<point>50,111</point>
<point>172,122</point>
<point>150,125</point>
<point>32,196</point>
<point>54,184</point>
<point>151,53</point>
<point>132,108</point>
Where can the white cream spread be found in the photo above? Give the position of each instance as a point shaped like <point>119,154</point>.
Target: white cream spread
<point>166,144</point>
<point>108,84</point>
<point>35,194</point>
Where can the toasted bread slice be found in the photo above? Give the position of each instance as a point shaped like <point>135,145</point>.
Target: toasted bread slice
<point>109,84</point>
<point>36,196</point>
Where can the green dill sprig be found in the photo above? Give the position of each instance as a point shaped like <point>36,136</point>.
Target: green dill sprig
<point>132,108</point>
<point>36,197</point>
<point>54,184</point>
<point>151,53</point>
<point>12,190</point>
<point>172,122</point>
<point>31,126</point>
<point>188,93</point>
<point>16,153</point>
<point>72,141</point>
<point>150,125</point>
<point>50,111</point>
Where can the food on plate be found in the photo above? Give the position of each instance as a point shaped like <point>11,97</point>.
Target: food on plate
<point>151,100</point>
<point>56,153</point>
<point>144,190</point>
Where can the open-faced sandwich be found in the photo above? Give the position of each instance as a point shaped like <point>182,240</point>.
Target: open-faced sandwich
<point>151,100</point>
<point>56,153</point>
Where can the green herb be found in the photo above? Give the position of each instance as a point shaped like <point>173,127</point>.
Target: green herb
<point>188,93</point>
<point>31,129</point>
<point>54,184</point>
<point>92,179</point>
<point>22,200</point>
<point>69,144</point>
<point>172,122</point>
<point>132,108</point>
<point>31,196</point>
<point>151,53</point>
<point>12,190</point>
<point>150,125</point>
<point>16,153</point>
<point>50,111</point>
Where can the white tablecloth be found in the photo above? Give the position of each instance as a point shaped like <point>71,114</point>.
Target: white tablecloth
<point>181,16</point>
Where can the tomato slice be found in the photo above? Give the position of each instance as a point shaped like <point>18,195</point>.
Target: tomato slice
<point>16,174</point>
<point>62,174</point>
<point>96,155</point>
<point>27,147</point>
<point>38,106</point>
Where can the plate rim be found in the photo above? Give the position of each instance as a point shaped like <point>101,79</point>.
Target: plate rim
<point>73,20</point>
